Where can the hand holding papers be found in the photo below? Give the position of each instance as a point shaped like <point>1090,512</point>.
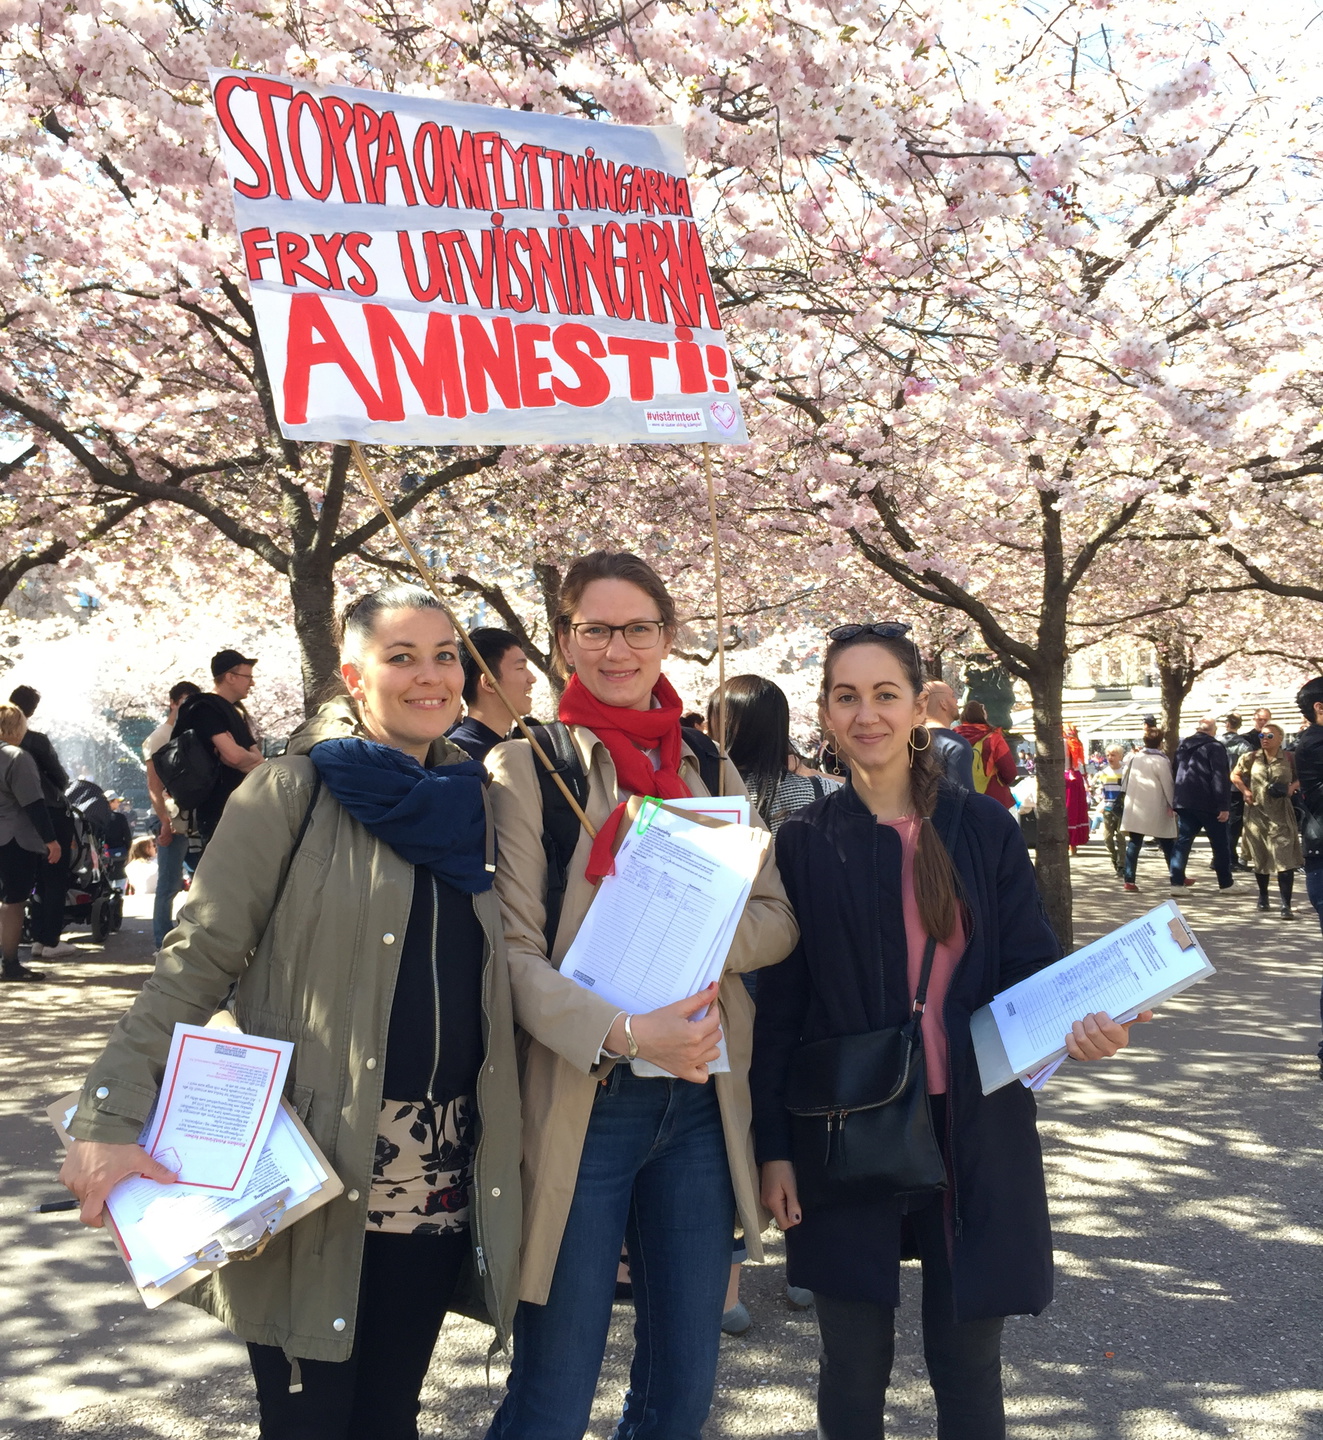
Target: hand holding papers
<point>659,929</point>
<point>245,1165</point>
<point>1022,1032</point>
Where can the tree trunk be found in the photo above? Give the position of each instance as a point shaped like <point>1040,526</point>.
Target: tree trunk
<point>1176,681</point>
<point>312,593</point>
<point>548,579</point>
<point>1053,856</point>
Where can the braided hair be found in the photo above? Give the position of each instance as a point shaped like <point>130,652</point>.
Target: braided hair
<point>935,884</point>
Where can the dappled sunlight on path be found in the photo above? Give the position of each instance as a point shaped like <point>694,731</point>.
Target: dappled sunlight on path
<point>1184,1179</point>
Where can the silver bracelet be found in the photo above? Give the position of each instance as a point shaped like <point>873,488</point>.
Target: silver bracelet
<point>633,1051</point>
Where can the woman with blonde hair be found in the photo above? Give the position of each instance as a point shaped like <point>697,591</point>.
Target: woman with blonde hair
<point>664,1164</point>
<point>27,838</point>
<point>1267,780</point>
<point>346,897</point>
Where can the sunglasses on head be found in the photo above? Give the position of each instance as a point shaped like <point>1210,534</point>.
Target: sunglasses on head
<point>887,629</point>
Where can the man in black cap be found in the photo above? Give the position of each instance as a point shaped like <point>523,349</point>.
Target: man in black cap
<point>219,716</point>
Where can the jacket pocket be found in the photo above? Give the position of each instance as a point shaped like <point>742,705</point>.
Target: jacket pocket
<point>300,1097</point>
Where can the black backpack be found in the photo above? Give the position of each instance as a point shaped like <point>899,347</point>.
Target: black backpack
<point>189,768</point>
<point>560,825</point>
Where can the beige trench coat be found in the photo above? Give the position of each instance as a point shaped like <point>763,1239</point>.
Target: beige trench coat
<point>319,969</point>
<point>1270,840</point>
<point>1150,795</point>
<point>567,1024</point>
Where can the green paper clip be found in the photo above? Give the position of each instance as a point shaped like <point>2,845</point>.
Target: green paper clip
<point>651,804</point>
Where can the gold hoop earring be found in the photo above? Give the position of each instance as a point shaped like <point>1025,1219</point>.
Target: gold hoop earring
<point>928,739</point>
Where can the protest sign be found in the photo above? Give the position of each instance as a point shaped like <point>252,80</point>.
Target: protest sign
<point>429,272</point>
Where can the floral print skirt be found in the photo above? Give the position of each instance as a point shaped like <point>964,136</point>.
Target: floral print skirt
<point>423,1167</point>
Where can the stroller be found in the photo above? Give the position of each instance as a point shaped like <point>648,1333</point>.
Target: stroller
<point>94,898</point>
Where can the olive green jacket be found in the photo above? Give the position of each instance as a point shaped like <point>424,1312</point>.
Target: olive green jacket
<point>317,968</point>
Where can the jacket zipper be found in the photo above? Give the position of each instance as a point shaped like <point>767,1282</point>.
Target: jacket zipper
<point>475,1209</point>
<point>436,999</point>
<point>957,1224</point>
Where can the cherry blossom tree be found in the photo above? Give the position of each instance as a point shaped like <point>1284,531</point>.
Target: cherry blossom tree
<point>1005,290</point>
<point>42,526</point>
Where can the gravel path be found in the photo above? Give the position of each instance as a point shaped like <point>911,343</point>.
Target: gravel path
<point>1185,1195</point>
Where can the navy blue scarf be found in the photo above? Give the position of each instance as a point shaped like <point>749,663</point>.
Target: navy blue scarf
<point>428,817</point>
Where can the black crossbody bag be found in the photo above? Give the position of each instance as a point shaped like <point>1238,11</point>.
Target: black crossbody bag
<point>861,1126</point>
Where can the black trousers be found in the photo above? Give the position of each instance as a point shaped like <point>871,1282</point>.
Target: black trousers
<point>53,883</point>
<point>859,1343</point>
<point>406,1287</point>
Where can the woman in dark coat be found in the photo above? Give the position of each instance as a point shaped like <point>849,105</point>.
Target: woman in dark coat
<point>870,879</point>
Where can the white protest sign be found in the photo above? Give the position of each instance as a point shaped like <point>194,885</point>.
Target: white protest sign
<point>428,272</point>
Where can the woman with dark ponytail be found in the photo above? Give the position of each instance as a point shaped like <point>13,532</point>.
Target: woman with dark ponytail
<point>914,898</point>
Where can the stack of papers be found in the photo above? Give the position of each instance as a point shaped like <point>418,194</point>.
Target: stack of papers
<point>660,928</point>
<point>1021,1034</point>
<point>244,1163</point>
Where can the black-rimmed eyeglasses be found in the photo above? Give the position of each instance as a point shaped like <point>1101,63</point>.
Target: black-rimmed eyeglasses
<point>595,635</point>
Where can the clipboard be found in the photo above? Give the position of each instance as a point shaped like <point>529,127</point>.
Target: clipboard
<point>994,1064</point>
<point>249,1235</point>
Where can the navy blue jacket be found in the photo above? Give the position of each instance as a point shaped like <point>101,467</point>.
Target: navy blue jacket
<point>848,974</point>
<point>1203,774</point>
<point>956,755</point>
<point>1309,772</point>
<point>475,737</point>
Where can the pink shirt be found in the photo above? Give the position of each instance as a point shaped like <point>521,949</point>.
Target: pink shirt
<point>945,959</point>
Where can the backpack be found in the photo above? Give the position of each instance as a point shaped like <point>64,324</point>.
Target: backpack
<point>189,768</point>
<point>560,825</point>
<point>982,774</point>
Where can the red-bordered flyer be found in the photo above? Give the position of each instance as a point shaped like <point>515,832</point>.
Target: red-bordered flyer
<point>219,1097</point>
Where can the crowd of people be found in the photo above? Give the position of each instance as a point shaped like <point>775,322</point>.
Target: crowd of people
<point>396,894</point>
<point>1255,796</point>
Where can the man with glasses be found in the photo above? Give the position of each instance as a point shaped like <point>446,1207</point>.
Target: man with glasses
<point>219,716</point>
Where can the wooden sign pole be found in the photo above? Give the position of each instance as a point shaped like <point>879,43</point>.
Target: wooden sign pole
<point>720,736</point>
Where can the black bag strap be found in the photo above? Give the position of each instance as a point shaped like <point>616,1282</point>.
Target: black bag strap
<point>228,1002</point>
<point>921,993</point>
<point>560,825</point>
<point>298,838</point>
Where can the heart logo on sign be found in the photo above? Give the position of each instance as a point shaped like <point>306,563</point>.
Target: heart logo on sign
<point>725,415</point>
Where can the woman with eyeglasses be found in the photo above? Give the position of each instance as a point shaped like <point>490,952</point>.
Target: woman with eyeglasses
<point>609,1155</point>
<point>914,898</point>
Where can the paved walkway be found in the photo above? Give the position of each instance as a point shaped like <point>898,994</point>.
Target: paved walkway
<point>1185,1184</point>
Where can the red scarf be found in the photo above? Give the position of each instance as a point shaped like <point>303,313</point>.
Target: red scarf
<point>626,735</point>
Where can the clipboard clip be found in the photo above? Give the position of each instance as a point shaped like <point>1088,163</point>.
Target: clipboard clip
<point>246,1237</point>
<point>1180,932</point>
<point>647,814</point>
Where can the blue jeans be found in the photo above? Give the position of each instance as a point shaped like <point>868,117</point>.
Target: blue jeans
<point>1133,844</point>
<point>169,877</point>
<point>654,1174</point>
<point>1188,825</point>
